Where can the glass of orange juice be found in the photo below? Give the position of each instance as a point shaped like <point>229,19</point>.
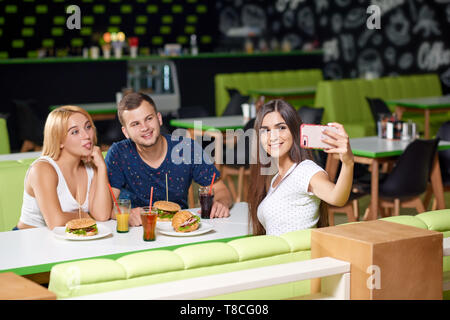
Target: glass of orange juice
<point>122,217</point>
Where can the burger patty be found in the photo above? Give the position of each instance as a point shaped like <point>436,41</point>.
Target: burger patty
<point>165,214</point>
<point>83,230</point>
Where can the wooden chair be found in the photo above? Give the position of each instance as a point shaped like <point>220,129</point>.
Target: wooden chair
<point>191,201</point>
<point>415,203</point>
<point>28,145</point>
<point>242,181</point>
<point>444,163</point>
<point>351,208</point>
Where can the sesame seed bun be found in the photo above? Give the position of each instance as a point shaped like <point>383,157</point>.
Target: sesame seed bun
<point>167,206</point>
<point>80,223</point>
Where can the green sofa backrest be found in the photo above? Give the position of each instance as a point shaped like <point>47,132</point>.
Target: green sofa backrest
<point>258,80</point>
<point>12,175</point>
<point>156,266</point>
<point>345,100</point>
<point>4,137</point>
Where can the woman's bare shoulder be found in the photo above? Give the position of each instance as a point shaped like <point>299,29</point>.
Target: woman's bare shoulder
<point>42,170</point>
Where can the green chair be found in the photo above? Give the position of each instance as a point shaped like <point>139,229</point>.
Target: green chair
<point>4,137</point>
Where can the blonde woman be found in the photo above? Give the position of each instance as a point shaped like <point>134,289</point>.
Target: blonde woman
<point>70,174</point>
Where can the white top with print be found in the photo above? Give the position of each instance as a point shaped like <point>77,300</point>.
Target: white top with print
<point>289,206</point>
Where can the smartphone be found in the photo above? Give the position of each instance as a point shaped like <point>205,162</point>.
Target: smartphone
<point>311,136</point>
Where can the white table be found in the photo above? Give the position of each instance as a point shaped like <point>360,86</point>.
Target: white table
<point>210,123</point>
<point>34,251</point>
<point>20,156</point>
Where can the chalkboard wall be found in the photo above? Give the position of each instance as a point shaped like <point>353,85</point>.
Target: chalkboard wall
<point>413,35</point>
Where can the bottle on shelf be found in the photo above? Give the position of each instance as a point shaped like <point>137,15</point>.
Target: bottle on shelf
<point>194,47</point>
<point>248,46</point>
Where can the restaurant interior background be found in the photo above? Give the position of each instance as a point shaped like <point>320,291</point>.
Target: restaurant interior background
<point>42,63</point>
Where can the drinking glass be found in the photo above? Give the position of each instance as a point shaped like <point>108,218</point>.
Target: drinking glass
<point>206,201</point>
<point>122,217</point>
<point>148,219</point>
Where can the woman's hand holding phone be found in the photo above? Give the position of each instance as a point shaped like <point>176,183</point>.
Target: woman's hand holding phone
<point>340,143</point>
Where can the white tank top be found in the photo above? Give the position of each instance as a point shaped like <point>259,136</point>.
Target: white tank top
<point>32,215</point>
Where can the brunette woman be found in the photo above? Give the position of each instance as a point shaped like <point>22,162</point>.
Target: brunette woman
<point>291,199</point>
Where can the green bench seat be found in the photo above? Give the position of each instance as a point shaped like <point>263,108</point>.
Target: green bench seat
<point>157,266</point>
<point>258,80</point>
<point>345,101</point>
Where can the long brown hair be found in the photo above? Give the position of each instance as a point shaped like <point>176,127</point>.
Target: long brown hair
<point>260,182</point>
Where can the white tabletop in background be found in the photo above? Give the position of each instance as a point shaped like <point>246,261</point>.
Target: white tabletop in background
<point>217,122</point>
<point>20,155</point>
<point>37,246</point>
<point>375,144</point>
<point>110,106</point>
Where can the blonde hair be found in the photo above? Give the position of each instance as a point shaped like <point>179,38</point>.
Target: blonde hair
<point>55,130</point>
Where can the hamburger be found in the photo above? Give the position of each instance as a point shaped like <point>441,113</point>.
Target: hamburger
<point>82,227</point>
<point>166,209</point>
<point>185,221</point>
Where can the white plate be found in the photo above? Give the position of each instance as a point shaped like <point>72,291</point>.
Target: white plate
<point>167,229</point>
<point>60,232</point>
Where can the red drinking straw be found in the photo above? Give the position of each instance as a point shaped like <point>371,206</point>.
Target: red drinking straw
<point>151,198</point>
<point>212,182</point>
<point>114,198</point>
